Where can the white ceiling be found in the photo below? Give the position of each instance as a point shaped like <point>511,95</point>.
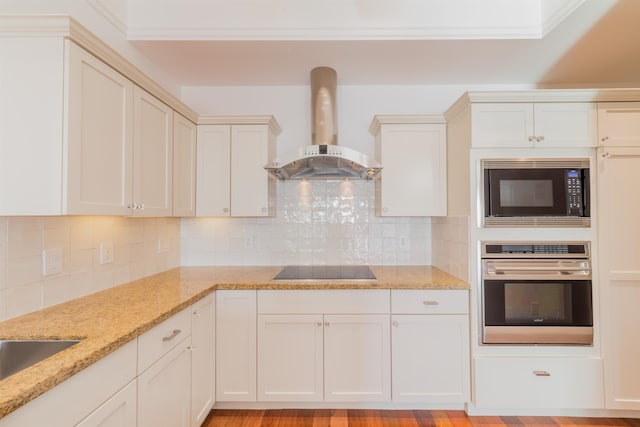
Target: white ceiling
<point>568,43</point>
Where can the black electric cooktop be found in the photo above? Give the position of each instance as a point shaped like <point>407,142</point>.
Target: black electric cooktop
<point>325,272</point>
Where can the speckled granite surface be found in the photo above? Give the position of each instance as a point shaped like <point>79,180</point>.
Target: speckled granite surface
<point>107,320</point>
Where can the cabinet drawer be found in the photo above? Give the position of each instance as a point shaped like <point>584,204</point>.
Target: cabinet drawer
<point>434,301</point>
<point>153,344</point>
<point>347,301</point>
<point>538,383</point>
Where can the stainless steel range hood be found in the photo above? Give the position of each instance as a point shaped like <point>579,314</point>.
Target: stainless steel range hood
<point>324,159</point>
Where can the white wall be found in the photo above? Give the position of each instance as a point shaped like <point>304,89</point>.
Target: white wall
<point>22,239</point>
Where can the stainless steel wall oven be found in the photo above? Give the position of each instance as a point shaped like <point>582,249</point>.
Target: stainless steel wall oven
<point>537,293</point>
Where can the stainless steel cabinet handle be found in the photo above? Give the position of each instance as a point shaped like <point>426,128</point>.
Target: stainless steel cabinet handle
<point>604,138</point>
<point>174,334</point>
<point>532,138</point>
<point>539,138</point>
<point>395,323</point>
<point>326,323</point>
<point>319,323</point>
<point>606,155</point>
<point>542,373</point>
<point>429,302</point>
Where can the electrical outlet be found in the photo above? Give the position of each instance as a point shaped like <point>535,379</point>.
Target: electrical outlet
<point>248,242</point>
<point>51,261</point>
<point>106,253</point>
<point>163,245</point>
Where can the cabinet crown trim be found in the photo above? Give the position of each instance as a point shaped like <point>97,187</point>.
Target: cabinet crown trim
<point>66,27</point>
<point>404,119</point>
<point>241,120</point>
<point>543,95</point>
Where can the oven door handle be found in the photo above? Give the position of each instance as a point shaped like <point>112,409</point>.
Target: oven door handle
<point>498,268</point>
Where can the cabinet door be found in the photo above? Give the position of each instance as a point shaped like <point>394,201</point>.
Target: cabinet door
<point>565,124</point>
<point>213,171</point>
<point>430,358</point>
<point>357,358</point>
<point>235,346</point>
<point>414,179</point>
<point>252,188</point>
<point>290,358</point>
<point>118,411</point>
<point>152,155</point>
<point>618,234</point>
<point>99,139</point>
<point>164,390</point>
<point>502,125</point>
<point>184,166</point>
<point>202,359</point>
<point>619,124</point>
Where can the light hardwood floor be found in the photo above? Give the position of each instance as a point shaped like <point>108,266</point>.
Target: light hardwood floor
<point>401,418</point>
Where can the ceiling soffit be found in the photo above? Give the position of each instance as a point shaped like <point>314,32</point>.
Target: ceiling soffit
<point>335,19</point>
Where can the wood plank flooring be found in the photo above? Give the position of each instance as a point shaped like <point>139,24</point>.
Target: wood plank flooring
<point>399,418</point>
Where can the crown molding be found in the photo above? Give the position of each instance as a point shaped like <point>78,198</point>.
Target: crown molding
<point>241,120</point>
<point>404,119</point>
<point>68,28</point>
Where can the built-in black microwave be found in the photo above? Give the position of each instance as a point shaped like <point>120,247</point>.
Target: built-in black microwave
<point>536,192</point>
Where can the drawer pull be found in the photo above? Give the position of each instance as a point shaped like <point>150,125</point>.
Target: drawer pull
<point>542,373</point>
<point>174,334</point>
<point>430,302</point>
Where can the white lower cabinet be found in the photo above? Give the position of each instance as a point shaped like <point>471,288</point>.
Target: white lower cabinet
<point>290,357</point>
<point>119,411</point>
<point>235,346</point>
<point>430,346</point>
<point>311,349</point>
<point>164,390</point>
<point>521,382</point>
<point>202,359</point>
<point>430,358</point>
<point>357,358</point>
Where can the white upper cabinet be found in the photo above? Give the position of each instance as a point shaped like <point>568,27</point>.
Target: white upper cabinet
<point>152,155</point>
<point>184,166</point>
<point>231,180</point>
<point>619,124</point>
<point>527,125</point>
<point>99,126</point>
<point>413,153</point>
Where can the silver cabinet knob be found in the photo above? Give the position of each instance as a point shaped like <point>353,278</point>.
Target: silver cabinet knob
<point>263,210</point>
<point>225,210</point>
<point>532,138</point>
<point>319,323</point>
<point>395,323</point>
<point>539,138</point>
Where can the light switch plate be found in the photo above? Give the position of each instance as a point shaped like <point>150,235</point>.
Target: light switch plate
<point>106,253</point>
<point>163,245</point>
<point>51,261</point>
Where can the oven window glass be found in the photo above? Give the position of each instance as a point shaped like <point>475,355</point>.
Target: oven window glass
<point>543,302</point>
<point>537,303</point>
<point>524,193</point>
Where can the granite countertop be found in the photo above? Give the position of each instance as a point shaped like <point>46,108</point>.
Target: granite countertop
<point>107,320</point>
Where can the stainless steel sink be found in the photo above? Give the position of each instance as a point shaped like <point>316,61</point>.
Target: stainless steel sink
<point>16,355</point>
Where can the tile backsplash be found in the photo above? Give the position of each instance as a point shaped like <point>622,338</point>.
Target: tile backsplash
<point>317,222</point>
<point>136,253</point>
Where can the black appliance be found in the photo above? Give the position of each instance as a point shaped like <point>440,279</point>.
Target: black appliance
<point>536,192</point>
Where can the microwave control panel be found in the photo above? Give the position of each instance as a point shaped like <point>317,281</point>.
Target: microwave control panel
<point>574,192</point>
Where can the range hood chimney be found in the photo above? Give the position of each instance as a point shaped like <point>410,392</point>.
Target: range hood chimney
<point>324,159</point>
